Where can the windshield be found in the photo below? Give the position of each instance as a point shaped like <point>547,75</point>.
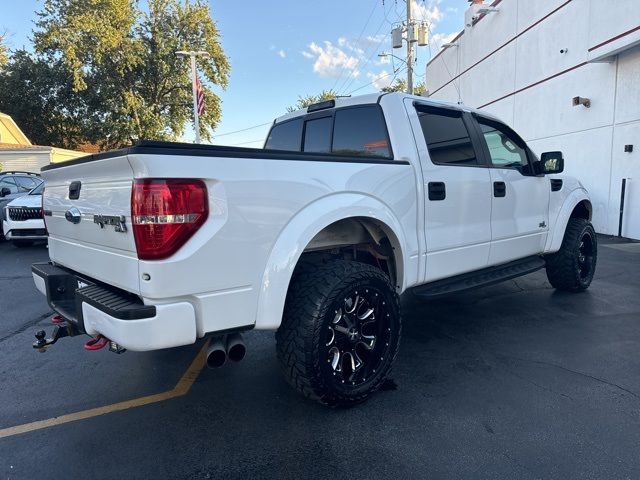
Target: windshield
<point>37,190</point>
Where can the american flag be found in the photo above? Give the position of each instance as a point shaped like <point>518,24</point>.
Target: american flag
<point>199,96</point>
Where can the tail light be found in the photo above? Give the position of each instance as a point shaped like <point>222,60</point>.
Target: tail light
<point>165,214</point>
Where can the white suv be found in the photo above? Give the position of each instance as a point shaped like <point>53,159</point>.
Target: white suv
<point>22,220</point>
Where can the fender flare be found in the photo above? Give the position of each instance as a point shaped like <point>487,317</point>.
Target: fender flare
<point>301,229</point>
<point>554,241</point>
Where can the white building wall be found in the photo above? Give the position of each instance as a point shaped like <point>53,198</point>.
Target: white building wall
<point>510,63</point>
<point>24,160</point>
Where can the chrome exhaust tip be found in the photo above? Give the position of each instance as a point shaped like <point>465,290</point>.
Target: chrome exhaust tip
<point>216,353</point>
<point>236,349</point>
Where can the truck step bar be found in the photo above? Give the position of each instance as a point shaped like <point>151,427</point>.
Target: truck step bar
<point>66,291</point>
<point>480,278</point>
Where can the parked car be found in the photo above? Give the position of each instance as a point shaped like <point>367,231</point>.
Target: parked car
<point>23,223</point>
<point>14,185</point>
<point>352,202</point>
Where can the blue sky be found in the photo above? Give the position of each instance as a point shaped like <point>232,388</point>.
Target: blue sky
<point>281,49</point>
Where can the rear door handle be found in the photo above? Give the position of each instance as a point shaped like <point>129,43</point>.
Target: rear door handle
<point>499,189</point>
<point>437,191</point>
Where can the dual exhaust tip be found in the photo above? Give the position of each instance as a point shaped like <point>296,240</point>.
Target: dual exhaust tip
<point>229,347</point>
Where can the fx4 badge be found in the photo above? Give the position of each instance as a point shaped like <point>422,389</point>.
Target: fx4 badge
<point>116,221</point>
<point>542,224</point>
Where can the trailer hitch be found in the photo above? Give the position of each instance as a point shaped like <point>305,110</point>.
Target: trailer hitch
<point>62,329</point>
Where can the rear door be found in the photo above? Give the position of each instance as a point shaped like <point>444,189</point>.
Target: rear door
<point>520,199</point>
<point>457,192</point>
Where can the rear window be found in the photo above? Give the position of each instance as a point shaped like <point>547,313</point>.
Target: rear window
<point>317,135</point>
<point>360,131</point>
<point>285,136</point>
<point>352,131</point>
<point>447,138</point>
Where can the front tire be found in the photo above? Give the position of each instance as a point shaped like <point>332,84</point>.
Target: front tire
<point>573,266</point>
<point>340,332</point>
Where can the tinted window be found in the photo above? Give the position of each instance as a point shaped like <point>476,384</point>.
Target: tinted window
<point>37,190</point>
<point>447,138</point>
<point>505,149</point>
<point>25,183</point>
<point>317,135</point>
<point>8,182</point>
<point>285,136</point>
<point>360,131</point>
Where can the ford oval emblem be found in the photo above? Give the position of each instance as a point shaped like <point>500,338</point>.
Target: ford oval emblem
<point>73,215</point>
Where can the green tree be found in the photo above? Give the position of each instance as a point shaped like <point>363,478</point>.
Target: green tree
<point>400,85</point>
<point>40,98</point>
<point>116,62</point>
<point>305,101</point>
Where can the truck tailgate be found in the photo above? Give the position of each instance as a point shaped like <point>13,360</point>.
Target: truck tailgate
<point>77,240</point>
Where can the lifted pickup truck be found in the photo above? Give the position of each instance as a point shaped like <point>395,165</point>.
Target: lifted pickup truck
<point>350,203</point>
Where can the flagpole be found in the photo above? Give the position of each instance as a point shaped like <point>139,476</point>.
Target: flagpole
<point>194,87</point>
<point>196,117</point>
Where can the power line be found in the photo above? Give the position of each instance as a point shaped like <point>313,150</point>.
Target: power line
<point>401,18</point>
<point>245,143</point>
<point>349,80</point>
<point>443,62</point>
<point>242,130</point>
<point>386,15</point>
<point>344,65</point>
<point>395,73</point>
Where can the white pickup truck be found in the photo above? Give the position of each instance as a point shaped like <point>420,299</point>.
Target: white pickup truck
<point>350,203</point>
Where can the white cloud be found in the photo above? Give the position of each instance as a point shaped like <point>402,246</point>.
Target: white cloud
<point>282,53</point>
<point>359,45</point>
<point>381,79</point>
<point>330,60</point>
<point>427,11</point>
<point>347,56</point>
<point>440,39</point>
<point>350,57</point>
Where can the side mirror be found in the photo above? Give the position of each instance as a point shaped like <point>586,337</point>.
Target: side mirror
<point>5,191</point>
<point>551,162</point>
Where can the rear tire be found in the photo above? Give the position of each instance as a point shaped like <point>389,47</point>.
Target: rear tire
<point>22,243</point>
<point>573,266</point>
<point>340,332</point>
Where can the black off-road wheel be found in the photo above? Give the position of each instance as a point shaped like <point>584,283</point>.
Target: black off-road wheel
<point>573,266</point>
<point>340,332</point>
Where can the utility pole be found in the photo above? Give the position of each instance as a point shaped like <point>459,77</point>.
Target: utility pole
<point>415,32</point>
<point>192,56</point>
<point>410,41</point>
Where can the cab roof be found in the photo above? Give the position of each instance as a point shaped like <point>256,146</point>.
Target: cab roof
<point>376,98</point>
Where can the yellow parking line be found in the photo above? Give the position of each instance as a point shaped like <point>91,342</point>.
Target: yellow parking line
<point>182,387</point>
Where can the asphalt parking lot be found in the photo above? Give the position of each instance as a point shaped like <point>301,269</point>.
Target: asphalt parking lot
<point>510,381</point>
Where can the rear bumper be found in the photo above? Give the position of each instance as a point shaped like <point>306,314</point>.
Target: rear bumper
<point>118,315</point>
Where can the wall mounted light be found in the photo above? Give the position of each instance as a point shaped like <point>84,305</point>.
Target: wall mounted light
<point>585,102</point>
